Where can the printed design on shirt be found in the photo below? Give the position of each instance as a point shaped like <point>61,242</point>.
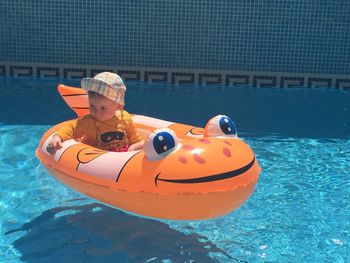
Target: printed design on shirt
<point>110,136</point>
<point>111,140</point>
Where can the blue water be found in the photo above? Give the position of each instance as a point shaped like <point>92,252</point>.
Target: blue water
<point>300,211</point>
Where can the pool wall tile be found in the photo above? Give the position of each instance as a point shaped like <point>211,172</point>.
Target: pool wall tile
<point>286,43</point>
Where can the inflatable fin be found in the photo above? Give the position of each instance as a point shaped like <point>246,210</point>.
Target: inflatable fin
<point>76,99</point>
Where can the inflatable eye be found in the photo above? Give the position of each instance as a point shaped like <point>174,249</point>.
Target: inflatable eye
<point>160,143</point>
<point>220,125</point>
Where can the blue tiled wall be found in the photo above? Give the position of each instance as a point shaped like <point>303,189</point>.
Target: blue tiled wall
<point>298,36</point>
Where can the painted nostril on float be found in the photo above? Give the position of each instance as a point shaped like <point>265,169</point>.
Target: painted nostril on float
<point>182,159</point>
<point>198,159</point>
<point>188,147</point>
<point>204,141</point>
<point>228,143</point>
<point>226,152</point>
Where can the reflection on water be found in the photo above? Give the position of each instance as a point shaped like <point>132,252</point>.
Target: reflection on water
<point>97,233</point>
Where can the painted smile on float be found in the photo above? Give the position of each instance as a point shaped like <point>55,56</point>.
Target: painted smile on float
<point>210,178</point>
<point>222,151</point>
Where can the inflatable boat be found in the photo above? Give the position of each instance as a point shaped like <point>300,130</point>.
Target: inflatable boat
<point>183,172</point>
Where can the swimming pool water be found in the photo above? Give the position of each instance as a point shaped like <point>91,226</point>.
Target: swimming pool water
<point>300,210</point>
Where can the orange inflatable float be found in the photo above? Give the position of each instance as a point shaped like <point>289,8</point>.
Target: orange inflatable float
<point>183,173</point>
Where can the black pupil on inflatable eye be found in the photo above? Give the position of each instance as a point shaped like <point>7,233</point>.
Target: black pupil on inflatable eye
<point>163,141</point>
<point>227,126</point>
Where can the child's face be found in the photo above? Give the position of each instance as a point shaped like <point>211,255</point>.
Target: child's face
<point>101,108</point>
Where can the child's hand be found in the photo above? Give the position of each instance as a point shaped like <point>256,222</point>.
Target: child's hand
<point>136,146</point>
<point>54,145</point>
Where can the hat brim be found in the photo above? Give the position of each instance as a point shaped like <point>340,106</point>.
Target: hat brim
<point>88,83</point>
<point>102,88</point>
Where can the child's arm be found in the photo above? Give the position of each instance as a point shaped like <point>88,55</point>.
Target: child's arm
<point>135,140</point>
<point>136,146</point>
<point>72,130</point>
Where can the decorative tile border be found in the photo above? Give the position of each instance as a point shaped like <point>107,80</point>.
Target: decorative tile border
<point>237,80</point>
<point>47,72</point>
<point>156,76</point>
<point>182,78</point>
<point>178,76</point>
<point>209,79</point>
<point>21,71</point>
<point>132,75</point>
<point>319,82</point>
<point>2,70</point>
<point>291,82</point>
<point>264,81</point>
<point>74,73</point>
<point>342,83</point>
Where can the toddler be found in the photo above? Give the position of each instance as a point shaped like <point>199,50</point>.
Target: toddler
<point>108,126</point>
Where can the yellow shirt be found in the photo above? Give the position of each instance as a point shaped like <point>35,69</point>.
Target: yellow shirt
<point>113,134</point>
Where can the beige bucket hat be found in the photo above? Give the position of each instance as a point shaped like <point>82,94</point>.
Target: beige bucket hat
<point>107,84</point>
